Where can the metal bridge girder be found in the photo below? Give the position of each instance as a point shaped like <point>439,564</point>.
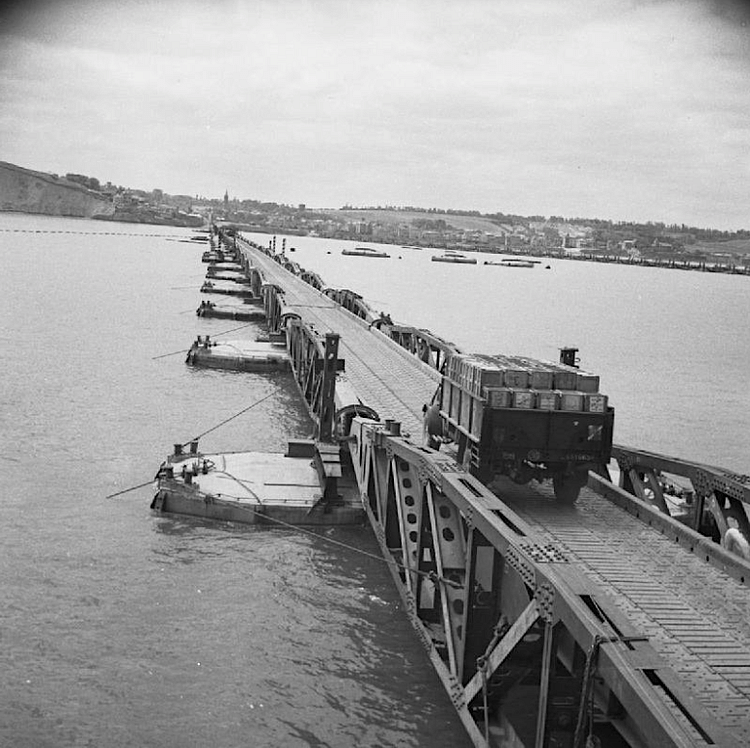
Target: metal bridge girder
<point>550,592</point>
<point>720,495</point>
<point>449,547</point>
<point>409,505</point>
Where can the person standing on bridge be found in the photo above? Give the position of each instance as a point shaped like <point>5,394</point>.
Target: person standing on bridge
<point>433,426</point>
<point>384,319</point>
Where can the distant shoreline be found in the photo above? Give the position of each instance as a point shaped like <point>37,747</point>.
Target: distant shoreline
<point>107,219</point>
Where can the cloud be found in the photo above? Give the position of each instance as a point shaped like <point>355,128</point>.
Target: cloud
<point>617,109</point>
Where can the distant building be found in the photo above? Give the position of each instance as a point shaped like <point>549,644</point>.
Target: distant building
<point>662,247</point>
<point>630,248</point>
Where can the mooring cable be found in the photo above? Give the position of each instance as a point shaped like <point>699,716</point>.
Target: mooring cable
<point>227,420</point>
<point>171,353</point>
<point>215,335</point>
<point>132,488</point>
<point>195,439</point>
<point>431,575</point>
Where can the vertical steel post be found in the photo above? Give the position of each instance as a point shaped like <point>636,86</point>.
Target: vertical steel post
<point>327,405</point>
<point>541,720</point>
<point>699,503</point>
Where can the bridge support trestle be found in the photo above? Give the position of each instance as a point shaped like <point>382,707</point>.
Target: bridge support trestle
<point>530,652</point>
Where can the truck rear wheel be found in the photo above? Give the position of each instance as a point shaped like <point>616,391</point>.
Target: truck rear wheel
<point>567,487</point>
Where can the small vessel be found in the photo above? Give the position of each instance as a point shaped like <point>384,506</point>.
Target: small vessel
<point>451,255</point>
<point>512,263</point>
<point>365,252</point>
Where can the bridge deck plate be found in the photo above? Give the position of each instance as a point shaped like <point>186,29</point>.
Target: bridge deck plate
<point>385,376</point>
<point>695,616</point>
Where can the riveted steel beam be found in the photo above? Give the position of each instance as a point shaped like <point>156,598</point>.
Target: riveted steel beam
<point>651,703</point>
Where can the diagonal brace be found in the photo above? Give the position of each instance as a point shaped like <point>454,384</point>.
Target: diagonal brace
<point>504,647</point>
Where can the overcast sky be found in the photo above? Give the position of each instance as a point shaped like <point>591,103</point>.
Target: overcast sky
<point>622,109</point>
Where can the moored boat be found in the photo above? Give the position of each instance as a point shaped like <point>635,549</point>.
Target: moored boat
<point>365,252</point>
<point>453,256</point>
<point>512,263</point>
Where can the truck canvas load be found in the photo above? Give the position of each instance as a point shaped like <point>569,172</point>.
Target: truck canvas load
<point>527,419</point>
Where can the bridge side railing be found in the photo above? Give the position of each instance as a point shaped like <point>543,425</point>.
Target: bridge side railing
<point>425,345</point>
<point>716,503</point>
<point>351,301</point>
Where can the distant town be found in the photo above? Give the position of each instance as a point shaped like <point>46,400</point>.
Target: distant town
<point>464,230</point>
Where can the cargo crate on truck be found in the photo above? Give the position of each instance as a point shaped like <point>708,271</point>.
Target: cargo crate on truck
<point>527,419</point>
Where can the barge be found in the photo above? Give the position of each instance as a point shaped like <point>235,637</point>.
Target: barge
<point>227,288</point>
<point>249,312</point>
<point>365,252</point>
<point>512,263</point>
<point>299,487</point>
<point>455,257</point>
<point>238,355</point>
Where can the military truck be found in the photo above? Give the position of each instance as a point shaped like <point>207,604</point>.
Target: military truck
<point>526,419</point>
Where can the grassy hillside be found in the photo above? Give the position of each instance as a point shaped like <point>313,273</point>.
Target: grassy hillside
<point>733,247</point>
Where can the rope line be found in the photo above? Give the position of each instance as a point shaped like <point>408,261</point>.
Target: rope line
<point>241,484</point>
<point>171,353</point>
<point>500,630</point>
<point>485,704</point>
<point>431,575</point>
<point>213,428</point>
<point>127,490</point>
<point>233,329</point>
<point>227,420</point>
<point>215,335</point>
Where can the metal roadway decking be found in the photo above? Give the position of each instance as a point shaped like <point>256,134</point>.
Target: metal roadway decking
<point>385,376</point>
<point>695,614</point>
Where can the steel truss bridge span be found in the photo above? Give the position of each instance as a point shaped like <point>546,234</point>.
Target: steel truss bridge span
<point>549,625</point>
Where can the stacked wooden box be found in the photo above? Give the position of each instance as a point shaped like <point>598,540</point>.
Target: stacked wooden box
<point>474,380</point>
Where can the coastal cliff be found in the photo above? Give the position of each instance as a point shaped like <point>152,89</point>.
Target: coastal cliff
<point>30,191</point>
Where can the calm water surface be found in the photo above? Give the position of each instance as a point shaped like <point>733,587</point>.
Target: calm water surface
<point>122,628</point>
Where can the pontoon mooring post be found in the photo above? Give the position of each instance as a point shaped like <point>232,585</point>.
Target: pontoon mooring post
<point>327,405</point>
